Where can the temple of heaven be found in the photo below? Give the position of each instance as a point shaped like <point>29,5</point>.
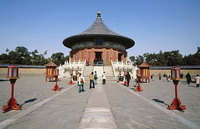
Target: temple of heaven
<point>98,44</point>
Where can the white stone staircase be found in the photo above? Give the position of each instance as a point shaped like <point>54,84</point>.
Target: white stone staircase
<point>109,73</point>
<point>87,71</point>
<point>99,70</point>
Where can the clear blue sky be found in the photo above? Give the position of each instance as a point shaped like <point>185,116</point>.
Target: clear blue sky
<point>153,24</point>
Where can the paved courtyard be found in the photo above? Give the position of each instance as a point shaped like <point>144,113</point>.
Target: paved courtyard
<point>111,106</point>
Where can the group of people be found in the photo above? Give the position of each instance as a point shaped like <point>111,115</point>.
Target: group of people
<point>165,77</point>
<point>93,80</point>
<point>188,78</point>
<point>197,79</point>
<point>127,78</point>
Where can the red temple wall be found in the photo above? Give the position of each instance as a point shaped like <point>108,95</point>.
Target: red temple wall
<point>107,55</point>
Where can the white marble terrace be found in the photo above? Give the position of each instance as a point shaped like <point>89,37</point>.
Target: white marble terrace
<point>64,70</point>
<point>121,66</point>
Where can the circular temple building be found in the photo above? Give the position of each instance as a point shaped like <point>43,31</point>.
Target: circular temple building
<point>98,44</point>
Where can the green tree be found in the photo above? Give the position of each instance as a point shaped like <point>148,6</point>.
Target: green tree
<point>192,59</point>
<point>173,58</point>
<point>66,58</point>
<point>132,58</point>
<point>14,57</point>
<point>4,59</point>
<point>139,60</point>
<point>58,58</point>
<point>7,50</point>
<point>24,54</point>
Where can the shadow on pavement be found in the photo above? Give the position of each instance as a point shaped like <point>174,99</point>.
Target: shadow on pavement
<point>4,80</point>
<point>159,101</point>
<point>29,101</point>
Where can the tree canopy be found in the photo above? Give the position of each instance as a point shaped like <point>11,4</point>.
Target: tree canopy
<point>22,56</point>
<point>169,58</point>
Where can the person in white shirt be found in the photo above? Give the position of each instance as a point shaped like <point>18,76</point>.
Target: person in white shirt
<point>197,80</point>
<point>95,77</point>
<point>81,82</point>
<point>104,78</point>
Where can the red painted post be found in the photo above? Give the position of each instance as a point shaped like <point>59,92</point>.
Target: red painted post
<point>56,87</point>
<point>138,87</point>
<point>176,103</point>
<point>12,103</point>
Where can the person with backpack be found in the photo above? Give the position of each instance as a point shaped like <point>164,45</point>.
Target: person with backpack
<point>81,82</point>
<point>95,77</point>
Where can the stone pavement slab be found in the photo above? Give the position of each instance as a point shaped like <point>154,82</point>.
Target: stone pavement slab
<point>62,112</point>
<point>130,111</point>
<point>163,92</point>
<point>28,91</point>
<point>97,114</point>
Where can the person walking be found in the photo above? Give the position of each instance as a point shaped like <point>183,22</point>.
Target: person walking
<point>92,80</point>
<point>152,75</point>
<point>95,77</point>
<point>159,75</point>
<point>188,78</point>
<point>81,82</point>
<point>128,78</point>
<point>197,80</point>
<point>104,78</point>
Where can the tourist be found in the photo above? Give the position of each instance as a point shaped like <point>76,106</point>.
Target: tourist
<point>128,78</point>
<point>104,78</point>
<point>159,75</point>
<point>164,76</point>
<point>119,78</point>
<point>77,76</point>
<point>87,62</point>
<point>188,78</point>
<point>168,78</point>
<point>92,80</point>
<point>152,75</point>
<point>197,80</point>
<point>81,82</point>
<point>95,77</point>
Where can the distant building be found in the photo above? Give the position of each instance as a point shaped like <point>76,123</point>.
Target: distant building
<point>98,44</point>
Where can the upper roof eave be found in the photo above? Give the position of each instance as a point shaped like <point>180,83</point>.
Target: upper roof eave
<point>68,42</point>
<point>98,28</point>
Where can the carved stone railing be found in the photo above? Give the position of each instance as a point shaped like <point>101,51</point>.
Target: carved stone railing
<point>66,69</point>
<point>123,66</point>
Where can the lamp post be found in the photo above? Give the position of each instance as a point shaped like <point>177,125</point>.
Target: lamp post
<point>138,87</point>
<point>176,103</point>
<point>125,82</point>
<point>56,73</point>
<point>71,78</point>
<point>12,76</point>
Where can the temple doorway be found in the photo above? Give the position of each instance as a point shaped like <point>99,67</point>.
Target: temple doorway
<point>98,59</point>
<point>98,55</point>
<point>119,57</point>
